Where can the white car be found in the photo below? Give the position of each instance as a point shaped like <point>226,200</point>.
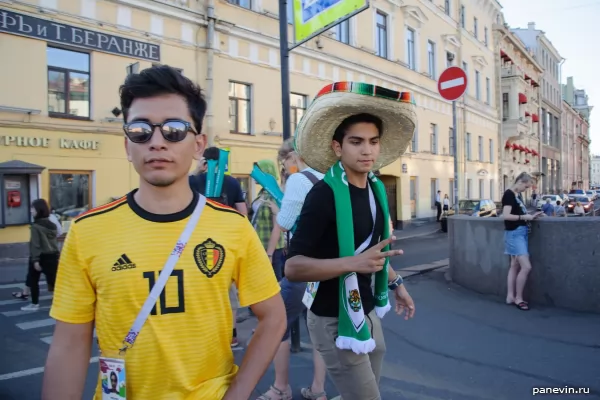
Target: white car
<point>553,199</point>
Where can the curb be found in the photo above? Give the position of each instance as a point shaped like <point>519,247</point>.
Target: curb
<point>419,235</point>
<point>423,268</point>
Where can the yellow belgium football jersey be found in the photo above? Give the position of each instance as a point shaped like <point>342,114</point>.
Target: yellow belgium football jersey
<point>112,257</point>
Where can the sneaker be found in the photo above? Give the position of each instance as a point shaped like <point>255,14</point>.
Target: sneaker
<point>234,342</point>
<point>31,307</point>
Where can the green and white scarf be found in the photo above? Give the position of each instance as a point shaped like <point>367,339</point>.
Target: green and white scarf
<point>353,331</point>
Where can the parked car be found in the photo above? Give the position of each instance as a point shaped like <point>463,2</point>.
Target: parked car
<point>476,208</point>
<point>553,199</point>
<point>586,202</point>
<point>580,192</point>
<point>591,194</point>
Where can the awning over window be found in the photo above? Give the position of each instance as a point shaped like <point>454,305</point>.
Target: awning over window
<point>507,145</point>
<point>504,56</point>
<point>535,118</point>
<point>527,114</point>
<point>20,167</point>
<point>522,98</point>
<point>527,77</point>
<point>534,83</point>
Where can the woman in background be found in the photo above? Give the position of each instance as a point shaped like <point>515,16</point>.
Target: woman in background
<point>43,252</point>
<point>516,231</point>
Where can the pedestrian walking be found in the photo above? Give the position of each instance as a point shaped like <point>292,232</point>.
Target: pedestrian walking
<point>343,235</point>
<point>300,181</point>
<point>438,205</point>
<point>446,203</point>
<point>560,210</point>
<point>516,232</point>
<point>151,271</point>
<point>264,221</point>
<point>43,252</point>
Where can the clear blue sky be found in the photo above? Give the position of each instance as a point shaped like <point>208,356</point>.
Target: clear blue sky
<point>573,27</point>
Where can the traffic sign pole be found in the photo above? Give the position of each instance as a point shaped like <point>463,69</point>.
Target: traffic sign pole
<point>452,84</point>
<point>454,141</point>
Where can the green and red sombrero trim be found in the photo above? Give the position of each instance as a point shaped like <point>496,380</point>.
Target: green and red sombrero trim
<point>367,90</point>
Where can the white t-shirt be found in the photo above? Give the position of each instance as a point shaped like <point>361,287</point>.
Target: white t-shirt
<point>297,187</point>
<point>56,222</point>
<point>446,202</point>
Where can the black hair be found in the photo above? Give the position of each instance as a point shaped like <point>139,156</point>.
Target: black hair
<point>212,153</point>
<point>159,80</point>
<point>346,124</point>
<point>41,208</point>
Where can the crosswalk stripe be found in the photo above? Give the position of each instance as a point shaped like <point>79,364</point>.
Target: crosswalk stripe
<point>37,324</point>
<point>19,301</point>
<point>18,313</point>
<point>17,285</point>
<point>32,371</point>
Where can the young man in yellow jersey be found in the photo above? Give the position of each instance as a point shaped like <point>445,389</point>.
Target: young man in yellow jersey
<point>114,254</point>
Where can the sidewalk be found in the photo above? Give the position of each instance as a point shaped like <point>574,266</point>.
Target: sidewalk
<point>417,229</point>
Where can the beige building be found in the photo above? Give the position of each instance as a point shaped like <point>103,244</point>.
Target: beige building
<point>576,160</point>
<point>60,127</point>
<point>519,97</point>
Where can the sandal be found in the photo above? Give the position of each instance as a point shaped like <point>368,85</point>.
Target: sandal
<point>20,295</point>
<point>307,393</point>
<point>280,393</point>
<point>523,306</point>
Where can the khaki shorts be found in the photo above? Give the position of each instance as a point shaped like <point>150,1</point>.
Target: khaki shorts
<point>233,297</point>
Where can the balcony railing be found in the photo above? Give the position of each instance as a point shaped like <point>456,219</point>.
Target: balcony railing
<point>508,72</point>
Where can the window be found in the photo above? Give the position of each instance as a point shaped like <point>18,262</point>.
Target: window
<point>431,59</point>
<point>68,83</point>
<point>480,148</point>
<point>449,59</point>
<point>451,141</point>
<point>433,137</point>
<point>410,49</point>
<point>342,31</point>
<point>381,34</point>
<point>298,106</point>
<point>488,91</point>
<point>491,151</point>
<point>465,68</point>
<point>469,187</point>
<point>504,106</point>
<point>481,189</point>
<point>70,194</point>
<point>477,85</point>
<point>468,145</point>
<point>475,27</point>
<point>447,7</point>
<point>414,144</point>
<point>486,39</point>
<point>242,3</point>
<point>462,16</point>
<point>239,107</point>
<point>433,186</point>
<point>492,189</point>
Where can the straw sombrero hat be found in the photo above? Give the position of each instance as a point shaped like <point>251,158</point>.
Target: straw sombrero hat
<point>340,100</point>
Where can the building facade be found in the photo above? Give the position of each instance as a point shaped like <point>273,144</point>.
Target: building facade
<point>60,123</point>
<point>595,171</point>
<point>575,149</point>
<point>550,59</point>
<point>577,171</point>
<point>519,98</point>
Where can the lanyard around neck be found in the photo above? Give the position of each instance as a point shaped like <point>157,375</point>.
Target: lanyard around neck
<point>373,208</point>
<point>164,276</point>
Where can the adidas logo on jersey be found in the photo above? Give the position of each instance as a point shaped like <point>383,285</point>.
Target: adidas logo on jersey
<point>123,263</point>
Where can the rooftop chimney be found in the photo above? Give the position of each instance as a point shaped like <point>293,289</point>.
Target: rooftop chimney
<point>531,26</point>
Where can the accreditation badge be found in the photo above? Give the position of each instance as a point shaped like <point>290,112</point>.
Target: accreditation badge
<point>112,378</point>
<point>310,293</point>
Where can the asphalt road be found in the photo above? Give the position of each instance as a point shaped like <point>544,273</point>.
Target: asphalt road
<point>459,346</point>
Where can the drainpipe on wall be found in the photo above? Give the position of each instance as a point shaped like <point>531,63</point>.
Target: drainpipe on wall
<point>210,54</point>
<point>559,127</point>
<point>500,152</point>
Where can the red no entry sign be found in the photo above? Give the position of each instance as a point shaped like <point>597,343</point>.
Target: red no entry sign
<point>452,83</point>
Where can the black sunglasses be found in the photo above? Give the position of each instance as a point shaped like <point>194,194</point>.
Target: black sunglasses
<point>173,130</point>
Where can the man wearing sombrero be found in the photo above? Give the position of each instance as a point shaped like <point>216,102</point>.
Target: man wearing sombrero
<point>343,239</point>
